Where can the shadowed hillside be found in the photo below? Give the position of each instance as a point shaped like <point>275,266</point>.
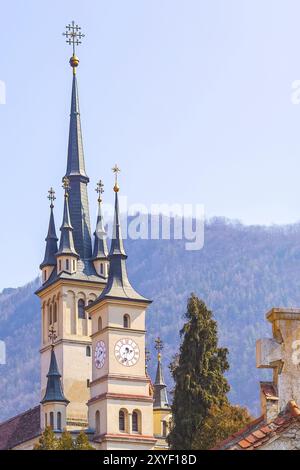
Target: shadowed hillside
<point>240,273</point>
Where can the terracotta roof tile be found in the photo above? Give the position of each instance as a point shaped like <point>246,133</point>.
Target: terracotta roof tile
<point>259,433</point>
<point>244,444</point>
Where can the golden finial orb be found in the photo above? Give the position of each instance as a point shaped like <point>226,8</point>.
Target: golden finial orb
<point>74,61</point>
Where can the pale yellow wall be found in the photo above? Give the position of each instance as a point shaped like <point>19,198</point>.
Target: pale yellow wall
<point>158,417</point>
<point>115,378</point>
<point>70,346</point>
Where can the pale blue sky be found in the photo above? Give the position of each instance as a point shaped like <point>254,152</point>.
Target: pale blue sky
<point>191,98</point>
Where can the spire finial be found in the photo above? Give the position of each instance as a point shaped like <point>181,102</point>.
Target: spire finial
<point>99,190</point>
<point>159,346</point>
<point>66,186</point>
<point>73,36</point>
<point>116,170</point>
<point>51,197</point>
<point>147,358</point>
<point>52,335</point>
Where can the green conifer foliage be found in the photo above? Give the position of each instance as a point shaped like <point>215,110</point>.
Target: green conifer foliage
<point>47,441</point>
<point>198,372</point>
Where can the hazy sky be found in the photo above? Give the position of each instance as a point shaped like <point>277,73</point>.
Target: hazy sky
<point>191,98</point>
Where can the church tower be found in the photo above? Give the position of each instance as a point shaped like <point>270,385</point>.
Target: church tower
<point>70,278</point>
<point>121,404</point>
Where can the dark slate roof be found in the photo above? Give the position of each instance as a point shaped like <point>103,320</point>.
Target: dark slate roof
<point>79,206</point>
<point>20,428</point>
<point>160,389</point>
<point>85,273</point>
<point>54,391</point>
<point>118,285</point>
<point>51,243</point>
<point>66,244</point>
<point>100,244</point>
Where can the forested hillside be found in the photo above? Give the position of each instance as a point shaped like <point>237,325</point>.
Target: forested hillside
<point>240,273</point>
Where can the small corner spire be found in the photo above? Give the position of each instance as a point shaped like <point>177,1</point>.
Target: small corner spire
<point>66,245</point>
<point>73,37</point>
<point>51,239</point>
<point>100,245</point>
<point>160,388</point>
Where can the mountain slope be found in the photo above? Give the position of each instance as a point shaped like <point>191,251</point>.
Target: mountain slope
<point>240,273</point>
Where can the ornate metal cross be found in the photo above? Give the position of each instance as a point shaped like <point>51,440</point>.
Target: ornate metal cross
<point>73,35</point>
<point>99,189</point>
<point>66,184</point>
<point>147,357</point>
<point>51,197</point>
<point>159,345</point>
<point>52,335</point>
<point>116,170</point>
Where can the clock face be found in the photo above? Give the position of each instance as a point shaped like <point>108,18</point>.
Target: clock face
<point>127,352</point>
<point>100,354</point>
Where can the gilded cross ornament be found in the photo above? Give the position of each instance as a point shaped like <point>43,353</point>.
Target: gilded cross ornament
<point>51,197</point>
<point>99,190</point>
<point>52,335</point>
<point>116,170</point>
<point>159,346</point>
<point>66,185</point>
<point>147,357</point>
<point>73,35</point>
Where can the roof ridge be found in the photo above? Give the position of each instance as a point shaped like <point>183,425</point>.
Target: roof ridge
<point>238,433</point>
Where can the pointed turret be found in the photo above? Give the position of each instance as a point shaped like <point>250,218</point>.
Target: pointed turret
<point>54,391</point>
<point>160,388</point>
<point>54,402</point>
<point>49,261</point>
<point>100,251</point>
<point>79,207</point>
<point>66,255</point>
<point>118,285</point>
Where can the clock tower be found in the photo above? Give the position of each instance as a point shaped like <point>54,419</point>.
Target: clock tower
<point>121,403</point>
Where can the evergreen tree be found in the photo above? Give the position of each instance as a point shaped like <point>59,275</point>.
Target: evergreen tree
<point>82,442</point>
<point>66,442</point>
<point>221,422</point>
<point>198,374</point>
<point>47,441</point>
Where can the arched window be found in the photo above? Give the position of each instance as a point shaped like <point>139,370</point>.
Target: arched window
<point>45,275</point>
<point>126,321</point>
<point>59,420</point>
<point>88,351</point>
<point>81,311</point>
<point>46,420</point>
<point>135,421</point>
<point>59,265</point>
<point>67,264</point>
<point>55,313</point>
<point>164,428</point>
<point>101,268</point>
<point>99,324</point>
<point>97,421</point>
<point>51,419</point>
<point>122,420</point>
<point>74,266</point>
<point>50,315</point>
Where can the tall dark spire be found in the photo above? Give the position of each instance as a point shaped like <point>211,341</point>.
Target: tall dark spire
<point>66,244</point>
<point>51,239</point>
<point>160,388</point>
<point>118,284</point>
<point>100,245</point>
<point>54,391</point>
<point>79,207</point>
